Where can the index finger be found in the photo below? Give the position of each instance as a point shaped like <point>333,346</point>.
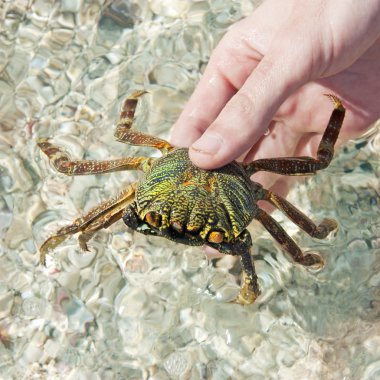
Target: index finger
<point>230,65</point>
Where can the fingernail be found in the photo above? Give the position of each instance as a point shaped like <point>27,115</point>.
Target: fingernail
<point>207,144</point>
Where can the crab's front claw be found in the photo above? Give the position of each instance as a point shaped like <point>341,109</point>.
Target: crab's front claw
<point>248,293</point>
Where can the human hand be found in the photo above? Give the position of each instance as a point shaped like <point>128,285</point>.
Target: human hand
<point>269,72</point>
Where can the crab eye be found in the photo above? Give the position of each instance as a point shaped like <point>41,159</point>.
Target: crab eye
<point>153,218</point>
<point>215,237</point>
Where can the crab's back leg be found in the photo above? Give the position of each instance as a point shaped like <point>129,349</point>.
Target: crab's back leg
<point>249,289</point>
<point>101,216</point>
<point>64,164</point>
<point>300,219</point>
<point>306,165</point>
<point>125,134</point>
<point>286,242</point>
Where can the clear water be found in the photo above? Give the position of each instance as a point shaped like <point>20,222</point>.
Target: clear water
<point>144,308</point>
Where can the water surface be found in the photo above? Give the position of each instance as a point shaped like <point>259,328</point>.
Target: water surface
<point>145,308</point>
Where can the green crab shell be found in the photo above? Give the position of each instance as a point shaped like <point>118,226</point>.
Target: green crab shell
<point>223,199</point>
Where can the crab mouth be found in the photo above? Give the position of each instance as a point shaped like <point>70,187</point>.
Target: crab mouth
<point>184,237</point>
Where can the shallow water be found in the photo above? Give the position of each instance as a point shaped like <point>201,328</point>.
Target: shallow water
<point>138,307</point>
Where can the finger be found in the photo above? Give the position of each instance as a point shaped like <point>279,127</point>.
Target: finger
<point>230,65</point>
<point>287,65</point>
<point>247,115</point>
<point>233,60</point>
<point>202,108</point>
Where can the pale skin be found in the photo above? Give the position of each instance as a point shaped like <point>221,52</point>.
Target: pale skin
<point>268,74</point>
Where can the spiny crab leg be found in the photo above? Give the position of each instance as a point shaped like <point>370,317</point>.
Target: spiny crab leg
<point>98,218</point>
<point>299,218</point>
<point>249,290</point>
<point>125,134</point>
<point>306,165</point>
<point>286,242</point>
<point>62,162</point>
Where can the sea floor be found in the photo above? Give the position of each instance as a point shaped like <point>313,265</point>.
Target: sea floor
<point>145,308</point>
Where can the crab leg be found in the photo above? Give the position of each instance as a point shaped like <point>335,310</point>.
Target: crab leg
<point>63,163</point>
<point>287,242</point>
<point>249,290</point>
<point>301,220</point>
<point>125,134</point>
<point>306,165</point>
<point>101,216</point>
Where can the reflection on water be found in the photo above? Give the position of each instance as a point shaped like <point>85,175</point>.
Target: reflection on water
<point>138,307</point>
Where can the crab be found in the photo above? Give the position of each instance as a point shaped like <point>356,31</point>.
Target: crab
<point>181,202</point>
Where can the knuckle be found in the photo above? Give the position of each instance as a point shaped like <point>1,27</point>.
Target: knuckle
<point>243,102</point>
<point>267,67</point>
